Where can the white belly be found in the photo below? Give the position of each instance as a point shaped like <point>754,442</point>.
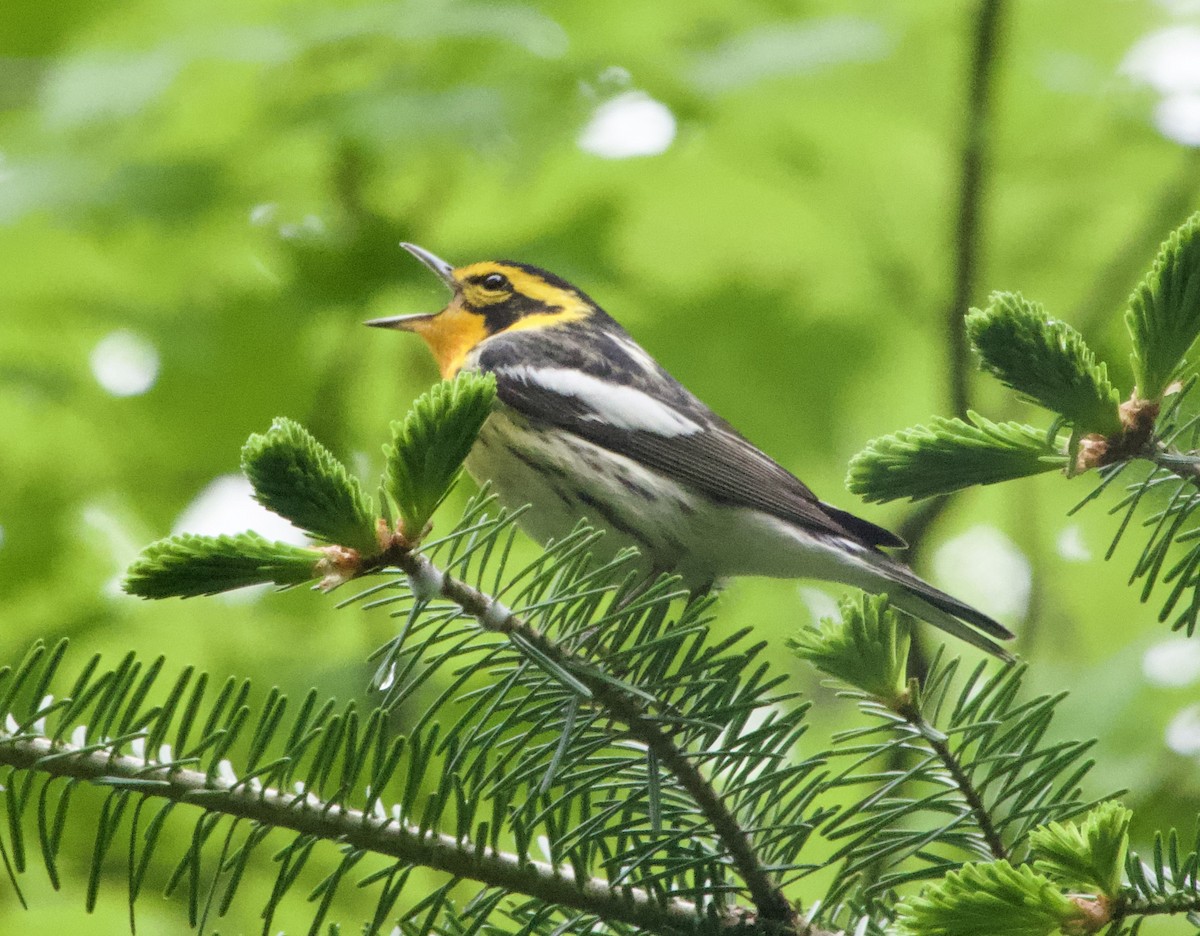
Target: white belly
<point>566,479</point>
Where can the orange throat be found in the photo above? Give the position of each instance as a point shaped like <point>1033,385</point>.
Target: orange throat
<point>451,335</point>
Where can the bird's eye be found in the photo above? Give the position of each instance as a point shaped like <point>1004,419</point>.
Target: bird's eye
<point>495,281</point>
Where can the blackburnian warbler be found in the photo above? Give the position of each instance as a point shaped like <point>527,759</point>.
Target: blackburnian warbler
<point>590,425</point>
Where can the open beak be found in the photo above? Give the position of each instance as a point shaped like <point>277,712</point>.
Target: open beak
<point>444,271</point>
<point>402,322</point>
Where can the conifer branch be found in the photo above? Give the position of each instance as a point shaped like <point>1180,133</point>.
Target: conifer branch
<point>868,649</point>
<point>718,807</point>
<point>912,713</point>
<point>428,581</point>
<point>1127,907</point>
<point>1072,883</point>
<point>304,814</point>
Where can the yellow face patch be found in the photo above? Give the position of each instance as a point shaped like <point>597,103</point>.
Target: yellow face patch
<point>451,334</point>
<point>561,305</point>
<point>522,301</point>
<point>521,283</point>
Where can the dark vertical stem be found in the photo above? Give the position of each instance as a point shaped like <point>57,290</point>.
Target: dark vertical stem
<point>976,133</point>
<point>973,165</point>
<point>966,240</point>
<point>988,17</point>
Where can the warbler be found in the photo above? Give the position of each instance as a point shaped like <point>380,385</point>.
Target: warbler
<point>588,424</point>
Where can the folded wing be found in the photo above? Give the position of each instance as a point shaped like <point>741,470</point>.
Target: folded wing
<point>653,420</point>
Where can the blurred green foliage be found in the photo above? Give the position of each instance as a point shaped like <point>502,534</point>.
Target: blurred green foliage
<point>200,202</point>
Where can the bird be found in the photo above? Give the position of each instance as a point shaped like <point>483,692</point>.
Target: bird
<point>587,425</point>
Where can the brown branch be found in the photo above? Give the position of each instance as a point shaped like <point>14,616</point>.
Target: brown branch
<point>1128,905</point>
<point>991,836</point>
<point>375,833</point>
<point>771,906</point>
<point>976,132</point>
<point>987,17</point>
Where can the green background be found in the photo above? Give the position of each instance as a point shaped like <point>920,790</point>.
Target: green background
<point>228,183</point>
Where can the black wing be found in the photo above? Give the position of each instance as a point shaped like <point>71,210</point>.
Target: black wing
<point>714,460</point>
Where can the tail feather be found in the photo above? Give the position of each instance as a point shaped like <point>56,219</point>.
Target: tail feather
<point>922,600</point>
<point>907,601</point>
<point>903,575</point>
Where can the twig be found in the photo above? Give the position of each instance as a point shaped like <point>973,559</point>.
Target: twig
<point>770,903</point>
<point>1126,906</point>
<point>966,232</point>
<point>970,194</point>
<point>308,816</point>
<point>991,836</point>
<point>971,185</point>
<point>1178,463</point>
